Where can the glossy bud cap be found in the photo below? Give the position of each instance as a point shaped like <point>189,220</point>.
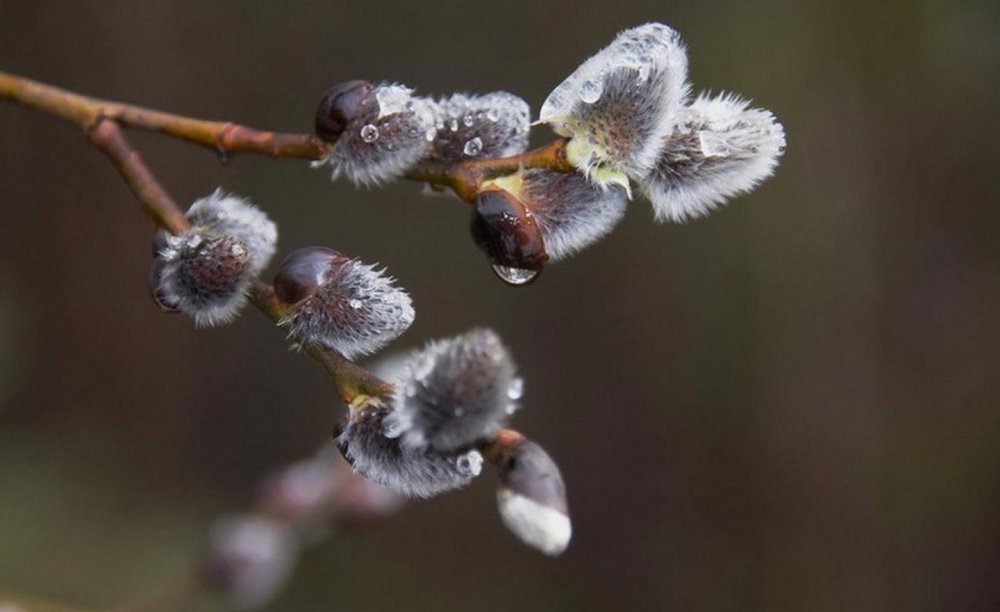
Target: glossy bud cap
<point>153,281</point>
<point>504,229</point>
<point>338,107</point>
<point>304,271</point>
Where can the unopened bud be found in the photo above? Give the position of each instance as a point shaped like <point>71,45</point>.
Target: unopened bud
<point>340,302</point>
<point>531,495</point>
<point>456,392</point>
<point>378,133</point>
<point>485,126</point>
<point>369,445</point>
<point>206,270</point>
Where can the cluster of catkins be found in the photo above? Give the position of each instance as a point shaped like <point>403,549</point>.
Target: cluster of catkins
<point>451,399</point>
<point>631,121</point>
<point>631,124</point>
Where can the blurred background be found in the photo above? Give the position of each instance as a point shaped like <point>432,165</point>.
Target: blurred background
<point>793,404</point>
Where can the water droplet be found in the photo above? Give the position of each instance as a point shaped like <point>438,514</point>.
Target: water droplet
<point>515,276</point>
<point>392,428</point>
<point>591,91</point>
<point>458,411</point>
<point>237,250</point>
<point>453,125</point>
<point>644,72</point>
<point>355,304</point>
<point>516,389</point>
<point>511,408</point>
<point>470,464</point>
<point>369,133</point>
<point>492,115</point>
<point>430,134</point>
<point>193,241</point>
<point>469,119</point>
<point>474,147</point>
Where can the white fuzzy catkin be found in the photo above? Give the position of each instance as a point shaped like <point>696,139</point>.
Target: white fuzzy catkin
<point>455,392</point>
<point>619,105</point>
<point>391,132</point>
<point>357,312</point>
<point>409,471</point>
<point>490,125</point>
<point>571,212</point>
<point>720,147</point>
<point>206,270</point>
<point>539,526</point>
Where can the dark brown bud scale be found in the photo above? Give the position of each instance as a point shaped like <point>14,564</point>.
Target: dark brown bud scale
<point>304,271</point>
<point>504,229</point>
<point>154,282</point>
<point>338,107</point>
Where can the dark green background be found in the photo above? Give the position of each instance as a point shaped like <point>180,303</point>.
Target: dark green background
<point>793,404</point>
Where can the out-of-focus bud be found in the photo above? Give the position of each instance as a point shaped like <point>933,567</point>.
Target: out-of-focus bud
<point>301,492</point>
<point>531,495</point>
<point>340,302</point>
<point>206,271</point>
<point>505,230</point>
<point>410,471</point>
<point>619,105</point>
<point>250,559</point>
<point>456,392</point>
<point>378,132</point>
<point>490,125</point>
<point>719,148</point>
<point>360,501</point>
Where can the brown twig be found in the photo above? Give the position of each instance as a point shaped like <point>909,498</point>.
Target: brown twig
<point>464,178</point>
<point>353,382</point>
<point>102,121</point>
<point>222,137</point>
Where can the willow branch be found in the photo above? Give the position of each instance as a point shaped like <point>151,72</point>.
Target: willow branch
<point>226,138</point>
<point>353,383</point>
<point>222,137</point>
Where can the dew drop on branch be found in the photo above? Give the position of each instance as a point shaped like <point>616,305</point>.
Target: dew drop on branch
<point>516,389</point>
<point>474,147</point>
<point>470,463</point>
<point>369,133</point>
<point>591,91</point>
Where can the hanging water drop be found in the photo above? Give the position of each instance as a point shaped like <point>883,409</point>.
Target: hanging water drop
<point>469,120</point>
<point>453,125</point>
<point>430,134</point>
<point>392,428</point>
<point>474,147</point>
<point>516,389</point>
<point>470,463</point>
<point>515,276</point>
<point>369,133</point>
<point>591,91</point>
